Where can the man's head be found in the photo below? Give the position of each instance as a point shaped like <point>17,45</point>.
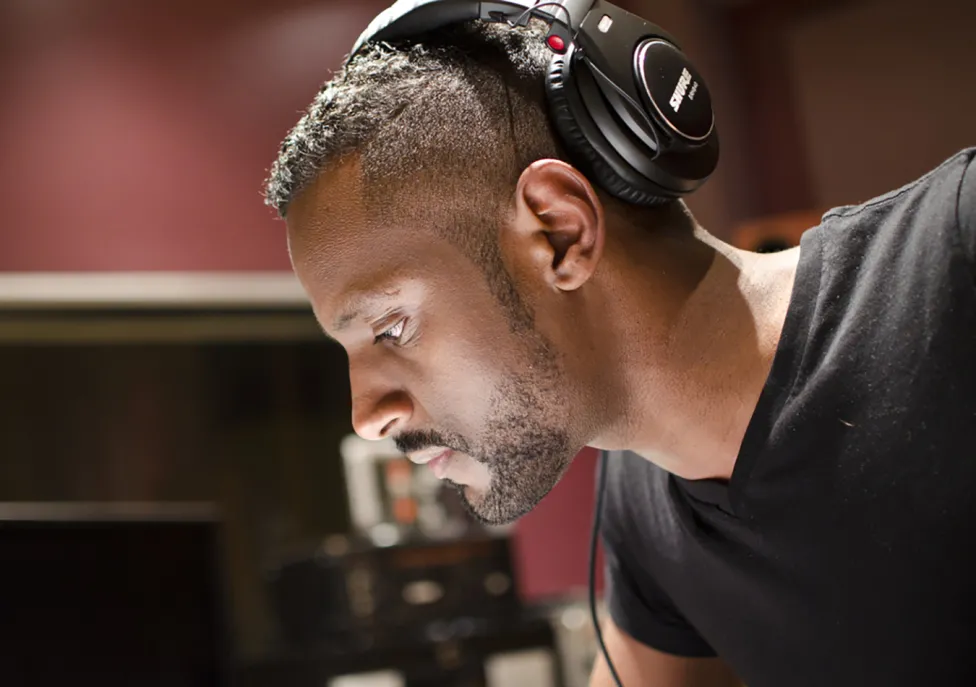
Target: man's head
<point>445,243</point>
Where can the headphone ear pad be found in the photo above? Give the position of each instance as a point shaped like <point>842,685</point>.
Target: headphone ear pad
<point>565,116</point>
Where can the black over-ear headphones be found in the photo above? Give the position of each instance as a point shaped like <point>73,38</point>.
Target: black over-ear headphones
<point>633,112</point>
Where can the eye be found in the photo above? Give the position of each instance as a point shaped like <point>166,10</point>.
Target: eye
<point>393,333</point>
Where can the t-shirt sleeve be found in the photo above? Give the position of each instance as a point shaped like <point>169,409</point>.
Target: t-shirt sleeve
<point>967,207</point>
<point>644,611</point>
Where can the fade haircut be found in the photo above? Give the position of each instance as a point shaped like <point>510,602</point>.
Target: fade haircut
<point>443,126</point>
<point>465,101</point>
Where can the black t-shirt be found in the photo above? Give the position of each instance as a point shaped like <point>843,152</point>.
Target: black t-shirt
<point>843,549</point>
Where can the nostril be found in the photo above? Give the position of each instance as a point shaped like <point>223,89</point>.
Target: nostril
<point>387,427</point>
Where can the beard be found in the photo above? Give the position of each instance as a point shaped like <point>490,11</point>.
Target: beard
<point>525,451</point>
<point>521,476</point>
<point>525,455</point>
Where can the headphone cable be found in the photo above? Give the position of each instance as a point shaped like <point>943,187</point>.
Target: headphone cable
<point>630,101</point>
<point>601,488</point>
<point>540,5</point>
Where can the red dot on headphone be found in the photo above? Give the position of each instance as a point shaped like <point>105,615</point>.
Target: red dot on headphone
<point>556,44</point>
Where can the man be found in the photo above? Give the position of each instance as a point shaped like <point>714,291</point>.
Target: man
<point>790,493</point>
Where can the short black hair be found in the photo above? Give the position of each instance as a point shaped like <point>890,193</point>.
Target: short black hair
<point>461,111</point>
<point>468,100</point>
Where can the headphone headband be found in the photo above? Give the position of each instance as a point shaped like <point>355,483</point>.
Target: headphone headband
<point>407,18</point>
<point>633,111</point>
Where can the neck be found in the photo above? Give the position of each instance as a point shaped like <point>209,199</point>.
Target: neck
<point>691,343</point>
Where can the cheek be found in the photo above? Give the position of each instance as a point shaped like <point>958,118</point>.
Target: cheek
<point>458,388</point>
<point>459,372</point>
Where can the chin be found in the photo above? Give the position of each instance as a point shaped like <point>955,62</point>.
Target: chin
<point>471,495</point>
<point>472,500</point>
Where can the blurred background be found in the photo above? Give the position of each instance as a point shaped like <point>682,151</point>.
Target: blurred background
<point>179,490</point>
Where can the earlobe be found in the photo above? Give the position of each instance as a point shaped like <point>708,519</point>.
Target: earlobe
<point>565,218</point>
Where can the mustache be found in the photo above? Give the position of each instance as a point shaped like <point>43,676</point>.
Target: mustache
<point>408,442</point>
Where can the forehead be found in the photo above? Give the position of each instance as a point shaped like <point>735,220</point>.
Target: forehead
<point>330,211</point>
<point>342,246</point>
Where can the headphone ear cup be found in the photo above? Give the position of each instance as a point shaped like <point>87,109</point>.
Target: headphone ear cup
<point>565,114</point>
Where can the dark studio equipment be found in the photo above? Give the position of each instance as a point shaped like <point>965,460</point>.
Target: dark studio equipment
<point>355,596</point>
<point>111,595</point>
<point>433,613</point>
<point>524,655</point>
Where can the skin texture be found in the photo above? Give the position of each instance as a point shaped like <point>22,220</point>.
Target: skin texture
<point>614,334</point>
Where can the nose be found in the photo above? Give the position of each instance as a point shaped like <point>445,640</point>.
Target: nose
<point>377,409</point>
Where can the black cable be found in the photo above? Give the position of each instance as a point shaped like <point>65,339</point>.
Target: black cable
<point>630,101</point>
<point>600,489</point>
<point>539,5</point>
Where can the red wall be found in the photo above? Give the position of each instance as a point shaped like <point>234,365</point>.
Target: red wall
<point>552,542</point>
<point>876,116</point>
<point>136,135</point>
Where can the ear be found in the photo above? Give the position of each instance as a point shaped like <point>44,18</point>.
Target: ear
<point>558,224</point>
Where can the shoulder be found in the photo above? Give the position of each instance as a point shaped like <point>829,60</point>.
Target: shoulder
<point>966,206</point>
<point>943,182</point>
<point>912,237</point>
<point>933,214</point>
<point>882,276</point>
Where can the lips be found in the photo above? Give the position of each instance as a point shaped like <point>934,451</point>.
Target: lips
<point>437,458</point>
<point>439,464</point>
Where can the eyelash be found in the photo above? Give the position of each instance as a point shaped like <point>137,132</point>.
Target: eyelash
<point>394,338</point>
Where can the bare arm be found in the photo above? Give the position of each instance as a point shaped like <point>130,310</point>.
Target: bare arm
<point>639,665</point>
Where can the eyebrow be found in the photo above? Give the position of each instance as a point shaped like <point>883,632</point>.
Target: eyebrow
<point>354,305</point>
